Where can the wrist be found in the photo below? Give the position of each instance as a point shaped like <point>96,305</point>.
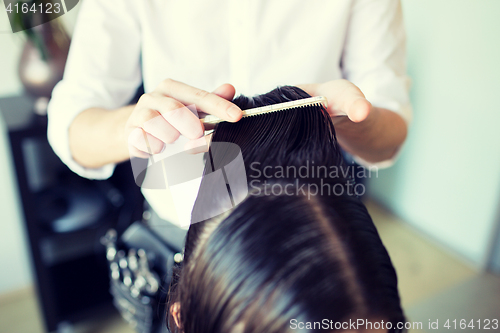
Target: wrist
<point>121,132</point>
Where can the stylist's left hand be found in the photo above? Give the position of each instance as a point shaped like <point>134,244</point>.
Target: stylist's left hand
<point>344,98</point>
<point>374,134</point>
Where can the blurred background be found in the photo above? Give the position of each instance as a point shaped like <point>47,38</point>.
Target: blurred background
<point>437,209</point>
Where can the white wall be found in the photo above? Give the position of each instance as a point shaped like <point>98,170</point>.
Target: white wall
<point>13,246</point>
<point>447,182</point>
<point>14,259</point>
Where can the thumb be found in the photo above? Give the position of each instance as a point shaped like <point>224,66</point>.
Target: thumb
<point>359,110</point>
<point>225,91</point>
<point>345,98</point>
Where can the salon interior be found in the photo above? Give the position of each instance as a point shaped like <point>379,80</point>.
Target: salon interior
<point>437,209</point>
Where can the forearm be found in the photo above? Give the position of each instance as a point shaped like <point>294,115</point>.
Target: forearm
<point>97,136</point>
<point>375,139</point>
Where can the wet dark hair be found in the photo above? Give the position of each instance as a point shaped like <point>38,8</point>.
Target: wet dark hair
<point>275,258</point>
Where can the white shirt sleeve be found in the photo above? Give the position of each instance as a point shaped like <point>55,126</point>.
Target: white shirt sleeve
<point>374,58</point>
<point>103,70</point>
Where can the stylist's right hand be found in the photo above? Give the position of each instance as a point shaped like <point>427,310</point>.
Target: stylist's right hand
<point>160,117</point>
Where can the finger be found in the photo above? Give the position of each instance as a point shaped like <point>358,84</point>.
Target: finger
<point>161,129</point>
<point>359,110</point>
<point>134,152</point>
<point>207,102</point>
<point>200,145</point>
<point>225,91</point>
<point>353,102</point>
<point>345,98</point>
<point>145,142</point>
<point>177,115</point>
<point>186,122</point>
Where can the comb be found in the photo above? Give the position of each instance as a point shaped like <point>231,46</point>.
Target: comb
<point>311,101</point>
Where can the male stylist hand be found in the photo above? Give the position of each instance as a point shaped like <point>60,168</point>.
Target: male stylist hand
<point>372,133</point>
<point>99,136</point>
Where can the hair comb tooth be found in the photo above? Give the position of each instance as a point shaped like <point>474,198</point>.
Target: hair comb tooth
<point>301,103</point>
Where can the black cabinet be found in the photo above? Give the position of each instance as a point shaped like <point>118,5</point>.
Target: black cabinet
<point>65,217</point>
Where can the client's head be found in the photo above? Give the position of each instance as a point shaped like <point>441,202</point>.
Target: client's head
<point>276,262</point>
<point>289,260</point>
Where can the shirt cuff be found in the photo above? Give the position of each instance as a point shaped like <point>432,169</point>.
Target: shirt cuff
<point>61,115</point>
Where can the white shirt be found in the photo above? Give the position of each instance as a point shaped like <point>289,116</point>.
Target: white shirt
<point>255,45</point>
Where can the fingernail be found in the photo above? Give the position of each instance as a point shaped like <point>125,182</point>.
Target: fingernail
<point>234,112</point>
